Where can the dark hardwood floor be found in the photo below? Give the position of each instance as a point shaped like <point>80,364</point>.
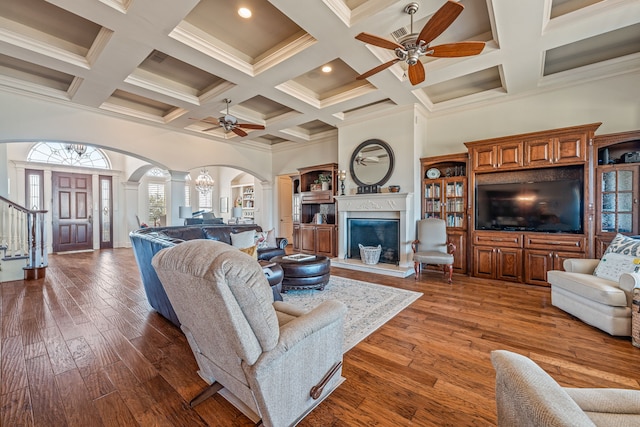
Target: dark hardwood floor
<point>83,348</point>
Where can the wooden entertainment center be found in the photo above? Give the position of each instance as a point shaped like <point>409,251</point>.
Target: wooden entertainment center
<point>516,251</point>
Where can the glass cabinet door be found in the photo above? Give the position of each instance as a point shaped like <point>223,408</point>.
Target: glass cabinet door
<point>432,199</point>
<point>296,208</point>
<point>618,202</point>
<point>455,202</point>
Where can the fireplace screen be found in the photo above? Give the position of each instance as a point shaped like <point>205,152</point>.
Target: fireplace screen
<point>374,232</point>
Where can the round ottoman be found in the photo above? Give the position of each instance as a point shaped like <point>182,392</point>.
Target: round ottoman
<point>309,274</point>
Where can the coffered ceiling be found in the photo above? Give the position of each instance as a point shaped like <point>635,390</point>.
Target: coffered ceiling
<point>172,63</point>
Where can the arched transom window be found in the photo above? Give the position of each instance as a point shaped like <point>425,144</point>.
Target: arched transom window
<point>69,154</point>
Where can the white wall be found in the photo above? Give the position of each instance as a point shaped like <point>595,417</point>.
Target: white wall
<point>615,102</point>
<point>289,158</point>
<point>396,128</point>
<point>4,176</point>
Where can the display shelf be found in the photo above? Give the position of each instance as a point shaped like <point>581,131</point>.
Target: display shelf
<point>444,196</point>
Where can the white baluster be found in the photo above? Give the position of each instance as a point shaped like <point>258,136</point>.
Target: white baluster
<point>23,246</point>
<point>11,235</point>
<point>3,224</point>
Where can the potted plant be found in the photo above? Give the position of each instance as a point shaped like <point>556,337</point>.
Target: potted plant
<point>324,180</point>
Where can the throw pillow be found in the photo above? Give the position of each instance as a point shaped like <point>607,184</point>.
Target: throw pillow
<point>244,239</point>
<point>251,251</point>
<point>624,245</point>
<point>612,265</point>
<point>266,239</point>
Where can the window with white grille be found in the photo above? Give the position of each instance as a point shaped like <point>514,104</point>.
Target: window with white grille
<point>157,205</point>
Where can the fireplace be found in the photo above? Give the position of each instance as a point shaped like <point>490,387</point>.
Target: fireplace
<point>374,232</point>
<point>390,211</point>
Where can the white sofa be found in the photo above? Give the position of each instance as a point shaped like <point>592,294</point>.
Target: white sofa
<point>596,301</point>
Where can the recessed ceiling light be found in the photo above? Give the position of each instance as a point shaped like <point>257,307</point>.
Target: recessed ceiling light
<point>326,69</point>
<point>244,12</point>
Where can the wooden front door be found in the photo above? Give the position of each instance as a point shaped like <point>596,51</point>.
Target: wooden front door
<point>71,212</point>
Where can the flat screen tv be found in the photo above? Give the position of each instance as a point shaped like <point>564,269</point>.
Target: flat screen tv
<point>543,200</point>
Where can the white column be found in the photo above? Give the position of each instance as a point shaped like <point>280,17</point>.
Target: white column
<point>175,197</point>
<point>117,229</point>
<point>130,189</point>
<point>264,211</point>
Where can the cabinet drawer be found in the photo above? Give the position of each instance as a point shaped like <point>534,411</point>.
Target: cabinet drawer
<point>505,240</point>
<point>317,197</point>
<point>555,242</point>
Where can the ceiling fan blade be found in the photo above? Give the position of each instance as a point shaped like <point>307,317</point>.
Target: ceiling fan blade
<point>377,69</point>
<point>378,41</point>
<point>451,50</point>
<point>249,126</point>
<point>440,21</point>
<point>210,120</point>
<point>239,131</point>
<point>416,73</point>
<point>208,129</point>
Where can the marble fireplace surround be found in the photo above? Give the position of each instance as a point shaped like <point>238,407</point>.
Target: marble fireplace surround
<point>377,206</point>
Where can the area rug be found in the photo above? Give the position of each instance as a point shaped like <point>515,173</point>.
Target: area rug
<point>369,305</point>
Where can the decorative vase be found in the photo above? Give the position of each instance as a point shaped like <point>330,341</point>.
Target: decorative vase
<point>325,186</point>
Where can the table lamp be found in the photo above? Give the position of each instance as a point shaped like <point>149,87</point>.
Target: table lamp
<point>236,213</point>
<point>185,212</point>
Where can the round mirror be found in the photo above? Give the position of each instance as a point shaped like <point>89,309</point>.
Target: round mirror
<point>371,163</point>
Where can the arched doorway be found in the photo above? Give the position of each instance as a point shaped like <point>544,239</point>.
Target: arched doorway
<point>72,194</point>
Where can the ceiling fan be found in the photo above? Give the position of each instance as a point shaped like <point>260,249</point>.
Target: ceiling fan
<point>230,123</point>
<point>412,46</point>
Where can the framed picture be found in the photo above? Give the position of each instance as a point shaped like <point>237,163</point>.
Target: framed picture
<point>224,204</point>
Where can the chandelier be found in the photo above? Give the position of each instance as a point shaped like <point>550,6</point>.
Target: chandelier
<point>79,149</point>
<point>204,182</point>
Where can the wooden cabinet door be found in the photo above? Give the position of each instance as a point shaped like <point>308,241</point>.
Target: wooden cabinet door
<point>559,257</point>
<point>570,148</point>
<point>460,256</point>
<point>296,237</point>
<point>509,155</point>
<point>484,158</point>
<point>308,239</point>
<point>602,243</point>
<point>325,240</point>
<point>537,264</point>
<point>484,262</point>
<point>509,264</point>
<point>538,152</point>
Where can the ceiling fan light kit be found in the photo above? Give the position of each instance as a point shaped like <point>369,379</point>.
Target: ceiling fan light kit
<point>413,46</point>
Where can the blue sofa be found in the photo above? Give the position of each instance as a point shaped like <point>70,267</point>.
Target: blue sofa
<point>147,242</point>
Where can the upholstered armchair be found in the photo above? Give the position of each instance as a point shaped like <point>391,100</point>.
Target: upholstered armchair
<point>272,361</point>
<point>527,396</point>
<point>432,246</point>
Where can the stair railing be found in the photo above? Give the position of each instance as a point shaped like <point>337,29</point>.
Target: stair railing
<point>23,235</point>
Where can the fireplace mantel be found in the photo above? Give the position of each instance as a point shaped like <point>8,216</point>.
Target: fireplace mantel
<point>376,206</point>
<point>387,202</point>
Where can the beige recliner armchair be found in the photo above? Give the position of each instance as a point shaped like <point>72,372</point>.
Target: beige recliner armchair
<point>527,396</point>
<point>272,361</point>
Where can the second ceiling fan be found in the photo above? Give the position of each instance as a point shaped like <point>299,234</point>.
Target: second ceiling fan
<point>230,123</point>
<point>412,46</point>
